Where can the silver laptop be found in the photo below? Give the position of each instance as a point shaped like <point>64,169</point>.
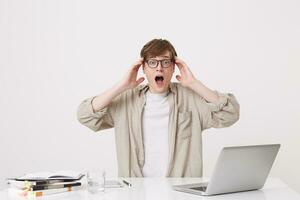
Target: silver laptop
<point>241,168</point>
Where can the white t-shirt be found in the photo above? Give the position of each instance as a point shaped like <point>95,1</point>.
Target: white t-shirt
<point>155,134</point>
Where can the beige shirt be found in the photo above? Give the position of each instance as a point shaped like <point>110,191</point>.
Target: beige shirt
<point>189,115</point>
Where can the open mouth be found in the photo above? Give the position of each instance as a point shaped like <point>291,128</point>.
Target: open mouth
<point>159,80</point>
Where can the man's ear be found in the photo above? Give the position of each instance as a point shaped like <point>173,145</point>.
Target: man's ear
<point>143,66</point>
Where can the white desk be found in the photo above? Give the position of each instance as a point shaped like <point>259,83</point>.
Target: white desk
<point>160,188</point>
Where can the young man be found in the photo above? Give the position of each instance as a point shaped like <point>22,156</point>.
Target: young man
<point>158,126</point>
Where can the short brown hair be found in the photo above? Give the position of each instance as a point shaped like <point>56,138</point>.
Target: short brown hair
<point>156,47</point>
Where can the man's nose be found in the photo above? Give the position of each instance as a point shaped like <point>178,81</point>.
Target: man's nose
<point>159,67</point>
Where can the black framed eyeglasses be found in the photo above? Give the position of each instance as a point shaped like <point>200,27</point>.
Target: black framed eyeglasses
<point>165,63</point>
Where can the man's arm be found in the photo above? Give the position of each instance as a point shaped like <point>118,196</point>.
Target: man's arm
<point>103,100</point>
<point>187,79</point>
<point>204,91</point>
<point>97,113</point>
<point>222,110</point>
<point>129,81</point>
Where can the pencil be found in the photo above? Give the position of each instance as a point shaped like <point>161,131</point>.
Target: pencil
<point>127,183</point>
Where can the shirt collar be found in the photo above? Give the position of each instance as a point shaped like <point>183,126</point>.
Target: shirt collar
<point>144,88</point>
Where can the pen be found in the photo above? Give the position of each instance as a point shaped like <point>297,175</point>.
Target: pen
<point>127,183</point>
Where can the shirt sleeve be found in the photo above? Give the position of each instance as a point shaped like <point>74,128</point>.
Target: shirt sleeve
<point>102,119</point>
<point>223,113</point>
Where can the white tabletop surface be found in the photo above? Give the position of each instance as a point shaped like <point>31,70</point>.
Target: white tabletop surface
<point>160,188</point>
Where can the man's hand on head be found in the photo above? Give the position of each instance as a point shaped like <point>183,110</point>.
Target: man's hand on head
<point>130,80</point>
<point>186,77</point>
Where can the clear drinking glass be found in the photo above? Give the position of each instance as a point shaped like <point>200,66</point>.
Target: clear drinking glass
<point>96,181</point>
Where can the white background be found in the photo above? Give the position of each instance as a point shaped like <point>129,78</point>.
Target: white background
<point>54,54</point>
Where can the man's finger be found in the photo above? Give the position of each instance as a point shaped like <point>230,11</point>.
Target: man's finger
<point>179,63</point>
<point>137,65</point>
<point>178,60</point>
<point>140,80</point>
<point>180,66</point>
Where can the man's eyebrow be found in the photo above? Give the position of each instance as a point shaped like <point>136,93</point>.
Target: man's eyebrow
<point>161,56</point>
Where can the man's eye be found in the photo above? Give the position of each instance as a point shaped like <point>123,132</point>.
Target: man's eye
<point>166,62</point>
<point>152,62</point>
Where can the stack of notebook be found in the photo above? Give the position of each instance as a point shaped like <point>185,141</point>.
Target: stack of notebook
<point>44,183</point>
